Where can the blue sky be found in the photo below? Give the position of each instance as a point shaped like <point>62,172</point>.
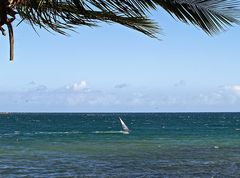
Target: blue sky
<point>115,69</point>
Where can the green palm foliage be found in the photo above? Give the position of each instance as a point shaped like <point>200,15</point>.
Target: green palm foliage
<point>60,15</point>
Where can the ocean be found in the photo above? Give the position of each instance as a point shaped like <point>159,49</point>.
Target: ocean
<point>91,145</point>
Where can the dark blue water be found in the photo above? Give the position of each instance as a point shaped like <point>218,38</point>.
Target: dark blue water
<point>90,145</point>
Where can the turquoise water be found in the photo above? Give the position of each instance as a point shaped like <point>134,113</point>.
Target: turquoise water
<point>90,145</point>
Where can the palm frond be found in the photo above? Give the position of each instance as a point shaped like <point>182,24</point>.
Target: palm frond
<point>60,15</point>
<point>210,15</point>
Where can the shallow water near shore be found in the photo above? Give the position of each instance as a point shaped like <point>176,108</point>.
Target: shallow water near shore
<point>92,145</point>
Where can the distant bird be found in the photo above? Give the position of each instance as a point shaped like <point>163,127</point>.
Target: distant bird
<point>60,15</point>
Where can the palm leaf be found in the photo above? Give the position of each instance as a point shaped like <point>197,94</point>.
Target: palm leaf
<point>60,15</point>
<point>210,15</point>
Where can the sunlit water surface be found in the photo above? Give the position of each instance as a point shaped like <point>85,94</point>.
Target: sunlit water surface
<point>92,145</point>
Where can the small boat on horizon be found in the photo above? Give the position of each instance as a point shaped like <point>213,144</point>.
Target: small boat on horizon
<point>125,129</point>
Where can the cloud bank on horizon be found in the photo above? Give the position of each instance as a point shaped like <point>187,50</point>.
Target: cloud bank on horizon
<point>81,97</point>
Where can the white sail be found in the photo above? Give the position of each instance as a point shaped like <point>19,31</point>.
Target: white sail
<point>124,127</point>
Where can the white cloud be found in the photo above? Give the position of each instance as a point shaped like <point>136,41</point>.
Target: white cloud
<point>37,89</point>
<point>32,83</point>
<point>78,97</point>
<point>120,86</point>
<point>78,86</point>
<point>234,89</point>
<point>40,88</point>
<point>180,83</point>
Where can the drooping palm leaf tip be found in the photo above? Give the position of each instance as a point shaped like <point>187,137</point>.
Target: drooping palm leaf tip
<point>60,15</point>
